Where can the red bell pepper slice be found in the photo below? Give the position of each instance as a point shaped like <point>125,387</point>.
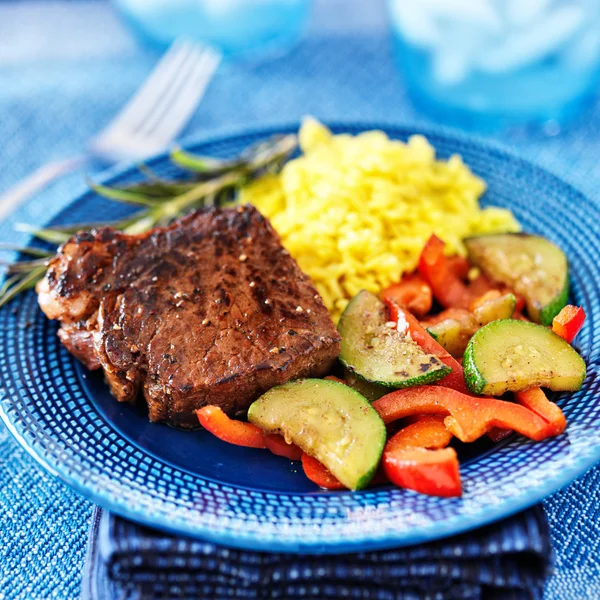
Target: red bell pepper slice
<point>319,474</point>
<point>277,445</point>
<point>427,431</point>
<point>459,265</point>
<point>213,419</point>
<point>568,322</point>
<point>459,314</point>
<point>408,323</point>
<point>431,472</point>
<point>416,458</point>
<point>480,285</point>
<point>448,289</point>
<point>412,292</point>
<point>469,418</point>
<point>535,400</point>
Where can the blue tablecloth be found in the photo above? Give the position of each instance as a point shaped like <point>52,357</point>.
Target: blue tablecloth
<point>67,67</point>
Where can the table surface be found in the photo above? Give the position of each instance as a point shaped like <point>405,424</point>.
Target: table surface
<point>67,66</point>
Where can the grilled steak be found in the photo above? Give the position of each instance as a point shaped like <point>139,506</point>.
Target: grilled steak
<point>210,310</point>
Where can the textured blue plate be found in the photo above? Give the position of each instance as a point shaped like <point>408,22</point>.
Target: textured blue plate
<point>191,483</point>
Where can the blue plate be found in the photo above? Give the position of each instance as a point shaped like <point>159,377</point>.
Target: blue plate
<point>191,483</point>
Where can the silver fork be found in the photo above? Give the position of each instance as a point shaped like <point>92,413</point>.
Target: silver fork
<point>151,119</point>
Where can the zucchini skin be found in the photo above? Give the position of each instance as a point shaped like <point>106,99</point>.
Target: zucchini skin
<point>473,378</point>
<point>425,379</point>
<point>548,312</point>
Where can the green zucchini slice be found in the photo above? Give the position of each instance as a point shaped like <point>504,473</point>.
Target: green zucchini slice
<point>512,356</point>
<point>329,421</point>
<point>496,309</point>
<point>530,264</point>
<point>376,351</point>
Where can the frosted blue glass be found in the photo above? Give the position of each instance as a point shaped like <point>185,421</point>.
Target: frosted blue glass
<point>491,63</point>
<point>238,28</point>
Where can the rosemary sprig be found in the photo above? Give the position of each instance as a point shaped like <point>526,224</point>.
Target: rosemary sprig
<point>20,283</point>
<point>202,164</point>
<point>127,196</point>
<point>24,266</point>
<point>208,182</point>
<point>52,236</point>
<point>37,252</point>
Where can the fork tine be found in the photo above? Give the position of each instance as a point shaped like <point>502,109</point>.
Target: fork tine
<point>177,81</point>
<point>143,101</point>
<point>187,101</point>
<point>171,115</point>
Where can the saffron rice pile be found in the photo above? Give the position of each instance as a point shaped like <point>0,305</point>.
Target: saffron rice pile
<point>355,211</point>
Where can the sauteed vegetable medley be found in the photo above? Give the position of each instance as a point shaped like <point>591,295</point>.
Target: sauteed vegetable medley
<point>461,348</point>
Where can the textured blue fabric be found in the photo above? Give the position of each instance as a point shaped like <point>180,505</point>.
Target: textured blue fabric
<point>507,561</point>
<point>66,68</point>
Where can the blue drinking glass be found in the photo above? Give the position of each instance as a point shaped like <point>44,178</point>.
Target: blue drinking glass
<point>487,64</point>
<point>238,28</point>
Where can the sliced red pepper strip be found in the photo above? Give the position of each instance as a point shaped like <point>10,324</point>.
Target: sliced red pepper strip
<point>412,292</point>
<point>480,285</point>
<point>428,431</point>
<point>431,472</point>
<point>277,445</point>
<point>416,458</point>
<point>469,418</point>
<point>319,474</point>
<point>459,314</point>
<point>408,323</point>
<point>448,289</point>
<point>535,400</point>
<point>459,265</point>
<point>213,419</point>
<point>568,322</point>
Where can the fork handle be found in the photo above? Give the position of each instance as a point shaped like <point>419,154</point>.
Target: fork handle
<point>12,198</point>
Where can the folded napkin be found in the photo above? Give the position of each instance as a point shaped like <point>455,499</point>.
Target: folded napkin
<point>504,561</point>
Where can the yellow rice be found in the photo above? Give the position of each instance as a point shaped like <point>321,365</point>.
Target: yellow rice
<point>355,211</point>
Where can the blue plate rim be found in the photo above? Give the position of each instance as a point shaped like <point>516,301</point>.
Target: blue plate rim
<point>436,530</point>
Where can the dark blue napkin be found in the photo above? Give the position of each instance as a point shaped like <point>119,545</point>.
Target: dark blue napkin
<point>504,561</point>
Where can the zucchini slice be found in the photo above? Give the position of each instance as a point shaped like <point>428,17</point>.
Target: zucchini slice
<point>530,264</point>
<point>329,421</point>
<point>512,356</point>
<point>451,336</point>
<point>377,352</point>
<point>496,309</point>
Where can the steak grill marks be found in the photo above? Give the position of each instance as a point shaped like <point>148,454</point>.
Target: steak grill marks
<point>210,310</point>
